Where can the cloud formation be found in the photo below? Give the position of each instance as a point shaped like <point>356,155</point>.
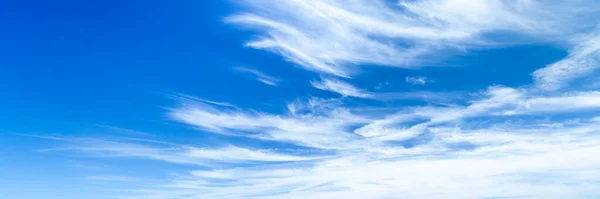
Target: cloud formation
<point>333,37</point>
<point>259,76</point>
<point>343,88</point>
<point>528,141</point>
<point>416,80</point>
<point>583,58</point>
<point>180,154</point>
<point>454,148</point>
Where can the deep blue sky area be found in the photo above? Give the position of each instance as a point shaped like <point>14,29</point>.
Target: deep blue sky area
<point>110,69</point>
<point>89,59</point>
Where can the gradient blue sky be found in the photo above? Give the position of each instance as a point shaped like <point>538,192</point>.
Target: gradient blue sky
<point>299,99</point>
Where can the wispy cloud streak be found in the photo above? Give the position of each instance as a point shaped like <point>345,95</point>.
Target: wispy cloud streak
<point>334,36</point>
<point>343,88</point>
<point>259,76</point>
<point>583,58</point>
<point>499,142</point>
<point>383,156</point>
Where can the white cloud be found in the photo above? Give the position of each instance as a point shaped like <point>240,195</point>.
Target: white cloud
<point>343,88</point>
<point>486,146</point>
<point>334,36</point>
<point>583,58</point>
<point>317,128</point>
<point>498,101</point>
<point>511,165</point>
<point>416,80</point>
<point>181,154</point>
<point>328,124</point>
<point>312,105</point>
<point>565,103</point>
<point>432,146</point>
<point>259,76</point>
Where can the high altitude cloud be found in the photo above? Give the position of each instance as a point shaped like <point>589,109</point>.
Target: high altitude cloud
<point>181,154</point>
<point>317,128</point>
<point>583,58</point>
<point>333,36</point>
<point>340,87</point>
<point>404,153</point>
<point>500,142</point>
<point>259,76</point>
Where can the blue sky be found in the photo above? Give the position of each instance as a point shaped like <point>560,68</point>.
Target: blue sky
<point>299,99</point>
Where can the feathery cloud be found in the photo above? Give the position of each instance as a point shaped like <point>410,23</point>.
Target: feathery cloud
<point>432,145</point>
<point>259,76</point>
<point>334,37</point>
<point>313,129</point>
<point>180,154</point>
<point>383,156</point>
<point>343,88</point>
<point>583,58</point>
<point>501,142</point>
